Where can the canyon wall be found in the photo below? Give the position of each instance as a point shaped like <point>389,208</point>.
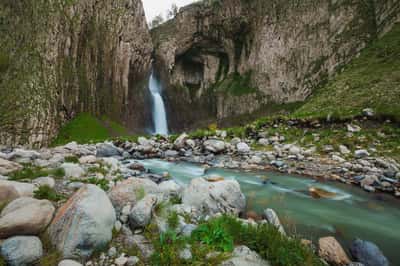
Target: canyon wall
<point>222,58</point>
<point>62,57</point>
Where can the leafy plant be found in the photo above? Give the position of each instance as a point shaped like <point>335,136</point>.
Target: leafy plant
<point>167,247</point>
<point>214,234</point>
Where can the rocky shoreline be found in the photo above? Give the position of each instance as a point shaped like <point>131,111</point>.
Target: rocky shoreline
<point>83,197</point>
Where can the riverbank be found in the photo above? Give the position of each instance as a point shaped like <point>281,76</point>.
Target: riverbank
<point>126,215</point>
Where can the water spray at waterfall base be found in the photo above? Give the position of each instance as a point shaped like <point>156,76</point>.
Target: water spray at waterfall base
<point>158,110</point>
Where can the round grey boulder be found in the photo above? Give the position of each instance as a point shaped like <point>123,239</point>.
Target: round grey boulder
<point>83,224</point>
<point>22,250</point>
<point>368,253</point>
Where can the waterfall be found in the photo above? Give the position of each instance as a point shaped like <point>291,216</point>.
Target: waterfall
<point>159,114</point>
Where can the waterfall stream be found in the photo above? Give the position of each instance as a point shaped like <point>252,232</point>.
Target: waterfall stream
<point>158,111</point>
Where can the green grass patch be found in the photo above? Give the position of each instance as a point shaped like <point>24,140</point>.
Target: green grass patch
<point>51,255</point>
<point>173,220</point>
<point>71,159</point>
<point>30,172</point>
<point>102,183</point>
<point>265,239</point>
<point>46,192</point>
<point>84,128</point>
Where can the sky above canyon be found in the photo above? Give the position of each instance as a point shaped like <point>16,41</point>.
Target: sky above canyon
<point>156,7</point>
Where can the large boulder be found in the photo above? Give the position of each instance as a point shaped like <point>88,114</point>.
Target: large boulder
<point>23,189</point>
<point>25,216</point>
<point>210,198</point>
<point>22,250</point>
<point>7,167</point>
<point>243,256</point>
<point>214,145</point>
<point>128,191</point>
<point>140,215</point>
<point>368,253</point>
<point>84,223</point>
<point>171,188</point>
<point>107,150</point>
<point>332,252</point>
<point>7,194</point>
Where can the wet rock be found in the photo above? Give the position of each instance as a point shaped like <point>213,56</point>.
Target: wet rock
<point>214,146</point>
<point>243,256</point>
<point>368,253</point>
<point>129,190</point>
<point>84,223</point>
<point>273,219</point>
<point>22,250</point>
<point>321,193</point>
<point>332,252</point>
<point>107,150</point>
<point>25,216</point>
<point>140,215</point>
<point>7,167</point>
<point>137,166</point>
<point>210,198</point>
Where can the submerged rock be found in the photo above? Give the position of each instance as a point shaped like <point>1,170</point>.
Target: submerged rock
<point>321,193</point>
<point>22,250</point>
<point>210,198</point>
<point>84,223</point>
<point>368,253</point>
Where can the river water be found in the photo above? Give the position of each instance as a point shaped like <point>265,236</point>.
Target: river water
<point>351,213</point>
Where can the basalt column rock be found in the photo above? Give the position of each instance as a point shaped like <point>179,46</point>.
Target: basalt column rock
<point>59,58</point>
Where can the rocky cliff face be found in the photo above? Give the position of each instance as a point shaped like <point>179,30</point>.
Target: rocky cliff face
<point>248,54</point>
<point>62,57</point>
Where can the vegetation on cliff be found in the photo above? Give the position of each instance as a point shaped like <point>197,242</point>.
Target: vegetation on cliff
<point>370,81</point>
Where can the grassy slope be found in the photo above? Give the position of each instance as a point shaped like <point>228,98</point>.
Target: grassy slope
<point>372,80</point>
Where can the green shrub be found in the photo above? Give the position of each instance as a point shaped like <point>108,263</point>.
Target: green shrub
<point>167,246</point>
<point>46,192</point>
<point>265,239</point>
<point>214,234</point>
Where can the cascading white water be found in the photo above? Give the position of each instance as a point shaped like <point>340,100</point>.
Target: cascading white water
<point>159,114</point>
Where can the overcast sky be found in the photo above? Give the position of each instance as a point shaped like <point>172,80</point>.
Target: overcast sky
<point>155,7</point>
